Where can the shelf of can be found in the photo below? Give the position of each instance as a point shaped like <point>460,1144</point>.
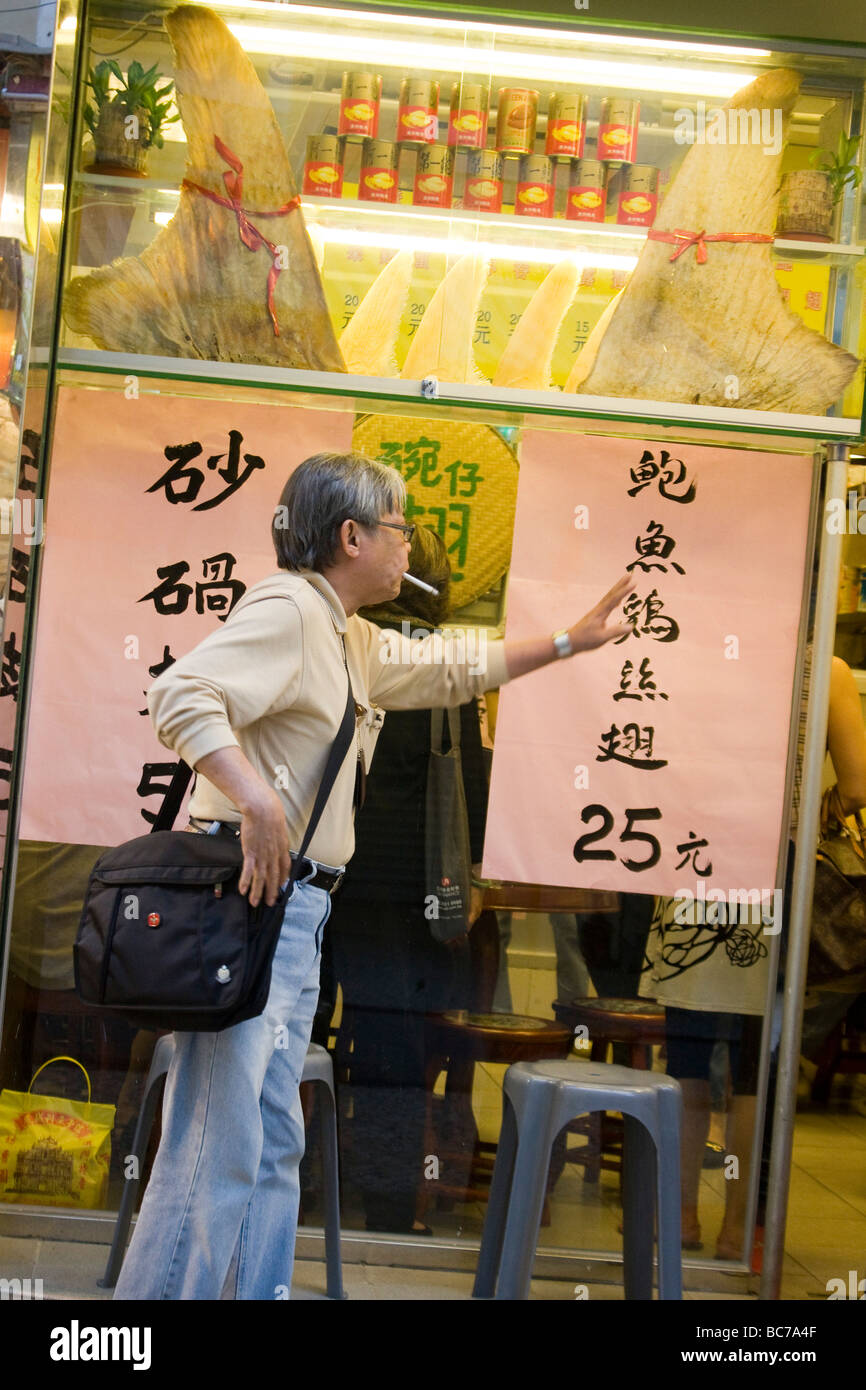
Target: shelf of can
<point>397,222</point>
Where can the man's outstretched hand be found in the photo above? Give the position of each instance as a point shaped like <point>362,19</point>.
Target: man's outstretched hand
<point>592,630</point>
<point>589,632</point>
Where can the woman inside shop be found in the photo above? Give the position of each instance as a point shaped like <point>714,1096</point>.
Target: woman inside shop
<point>391,970</point>
<point>712,977</point>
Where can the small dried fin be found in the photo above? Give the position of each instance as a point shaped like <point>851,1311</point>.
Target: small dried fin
<point>526,362</point>
<point>442,345</point>
<point>586,357</point>
<point>369,339</point>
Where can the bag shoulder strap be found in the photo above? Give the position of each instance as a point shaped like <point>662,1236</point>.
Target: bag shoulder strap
<point>183,774</point>
<point>437,725</point>
<point>174,796</point>
<point>339,748</point>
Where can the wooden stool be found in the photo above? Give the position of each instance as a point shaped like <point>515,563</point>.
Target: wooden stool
<point>462,1039</point>
<point>637,1023</point>
<point>844,1051</point>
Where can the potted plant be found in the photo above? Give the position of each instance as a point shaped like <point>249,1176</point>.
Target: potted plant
<point>809,198</point>
<point>126,120</point>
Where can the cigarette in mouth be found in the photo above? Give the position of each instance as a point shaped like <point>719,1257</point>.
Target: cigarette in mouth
<point>428,588</point>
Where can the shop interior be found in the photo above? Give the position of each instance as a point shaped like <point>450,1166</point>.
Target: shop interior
<point>455,179</point>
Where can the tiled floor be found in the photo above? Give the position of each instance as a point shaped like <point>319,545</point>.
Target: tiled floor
<point>825,1238</point>
<point>826,1234</point>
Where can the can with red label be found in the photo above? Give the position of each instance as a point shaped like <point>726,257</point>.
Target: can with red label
<point>535,183</point>
<point>482,191</point>
<point>638,202</point>
<point>586,192</point>
<point>467,123</point>
<point>323,166</point>
<point>418,112</point>
<point>434,177</point>
<point>378,180</point>
<point>360,97</point>
<point>566,126</point>
<point>617,130</point>
<point>516,120</point>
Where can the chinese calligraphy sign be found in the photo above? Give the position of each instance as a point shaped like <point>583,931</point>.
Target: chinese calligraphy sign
<point>658,761</point>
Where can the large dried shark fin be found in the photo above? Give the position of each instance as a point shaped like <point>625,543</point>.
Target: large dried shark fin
<point>717,332</point>
<point>223,283</point>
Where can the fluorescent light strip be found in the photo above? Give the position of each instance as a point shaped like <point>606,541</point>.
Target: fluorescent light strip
<point>375,52</point>
<point>458,27</point>
<point>455,246</point>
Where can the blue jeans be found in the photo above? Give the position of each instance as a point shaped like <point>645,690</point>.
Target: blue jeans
<point>220,1213</point>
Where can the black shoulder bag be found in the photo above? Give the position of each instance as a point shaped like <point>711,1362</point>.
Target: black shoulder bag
<point>166,940</point>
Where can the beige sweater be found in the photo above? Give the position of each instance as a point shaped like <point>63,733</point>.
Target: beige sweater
<point>271,681</point>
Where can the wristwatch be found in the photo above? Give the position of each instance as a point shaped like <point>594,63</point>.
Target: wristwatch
<point>562,643</point>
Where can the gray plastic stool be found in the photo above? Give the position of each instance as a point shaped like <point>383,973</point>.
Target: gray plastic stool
<point>317,1068</point>
<point>538,1099</point>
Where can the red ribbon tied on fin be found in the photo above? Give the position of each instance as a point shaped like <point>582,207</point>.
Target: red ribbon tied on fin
<point>252,238</point>
<point>683,240</point>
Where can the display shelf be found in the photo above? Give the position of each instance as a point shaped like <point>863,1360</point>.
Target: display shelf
<point>394,224</point>
<point>492,398</point>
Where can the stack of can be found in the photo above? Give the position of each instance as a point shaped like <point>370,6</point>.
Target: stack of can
<point>590,179</point>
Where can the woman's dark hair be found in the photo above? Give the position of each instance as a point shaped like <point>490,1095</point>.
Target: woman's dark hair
<point>323,492</point>
<point>428,560</point>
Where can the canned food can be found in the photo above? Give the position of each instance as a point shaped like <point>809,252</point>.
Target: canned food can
<point>617,130</point>
<point>637,203</point>
<point>482,191</point>
<point>418,112</point>
<point>642,178</point>
<point>323,166</point>
<point>566,125</point>
<point>378,181</point>
<point>586,191</point>
<point>434,177</point>
<point>467,122</point>
<point>360,97</point>
<point>534,196</point>
<point>516,120</point>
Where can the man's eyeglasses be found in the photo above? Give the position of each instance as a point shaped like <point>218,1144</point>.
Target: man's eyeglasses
<point>408,531</point>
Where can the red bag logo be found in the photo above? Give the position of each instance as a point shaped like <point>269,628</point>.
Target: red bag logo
<point>153,919</point>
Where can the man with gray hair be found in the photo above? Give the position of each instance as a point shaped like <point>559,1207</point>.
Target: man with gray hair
<point>254,708</point>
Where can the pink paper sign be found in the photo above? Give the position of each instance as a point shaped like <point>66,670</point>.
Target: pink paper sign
<point>158,518</point>
<point>657,762</point>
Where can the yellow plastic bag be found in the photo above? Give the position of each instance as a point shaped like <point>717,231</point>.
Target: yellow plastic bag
<point>54,1152</point>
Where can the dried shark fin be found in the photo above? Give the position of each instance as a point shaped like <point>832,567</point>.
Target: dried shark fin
<point>717,332</point>
<point>585,359</point>
<point>525,363</point>
<point>233,276</point>
<point>442,345</point>
<point>367,342</point>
